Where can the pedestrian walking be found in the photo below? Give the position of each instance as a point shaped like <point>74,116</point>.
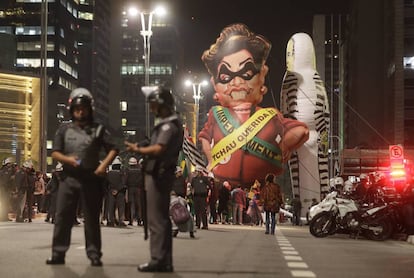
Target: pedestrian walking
<point>213,199</point>
<point>296,209</point>
<point>77,146</point>
<point>271,197</point>
<point>187,226</point>
<point>238,199</point>
<point>161,156</point>
<point>39,192</point>
<point>224,203</point>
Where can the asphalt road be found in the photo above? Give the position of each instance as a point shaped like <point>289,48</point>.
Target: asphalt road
<point>222,251</point>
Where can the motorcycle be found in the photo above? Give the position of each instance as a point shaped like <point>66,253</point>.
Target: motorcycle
<point>336,214</point>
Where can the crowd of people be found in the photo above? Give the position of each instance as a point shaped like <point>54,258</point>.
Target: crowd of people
<point>24,191</point>
<point>30,192</point>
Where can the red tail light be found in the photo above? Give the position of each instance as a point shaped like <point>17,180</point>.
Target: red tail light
<point>398,172</point>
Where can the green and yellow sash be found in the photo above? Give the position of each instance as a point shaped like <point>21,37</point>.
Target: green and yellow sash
<point>243,136</point>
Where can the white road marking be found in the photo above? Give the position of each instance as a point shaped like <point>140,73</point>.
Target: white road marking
<point>297,265</point>
<point>290,252</point>
<point>298,268</point>
<point>302,273</point>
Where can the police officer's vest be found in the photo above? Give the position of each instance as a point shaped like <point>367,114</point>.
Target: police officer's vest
<point>133,177</point>
<point>115,179</point>
<point>200,186</point>
<point>5,178</point>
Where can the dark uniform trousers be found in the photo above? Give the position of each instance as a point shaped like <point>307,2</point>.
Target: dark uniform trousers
<point>134,195</point>
<point>159,223</point>
<point>116,202</point>
<point>89,188</point>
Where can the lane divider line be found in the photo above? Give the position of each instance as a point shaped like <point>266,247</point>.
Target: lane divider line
<point>298,268</point>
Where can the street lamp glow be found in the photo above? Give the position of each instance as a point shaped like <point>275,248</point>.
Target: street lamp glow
<point>133,11</point>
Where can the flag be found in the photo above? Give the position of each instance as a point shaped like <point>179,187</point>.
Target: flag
<point>192,153</point>
<point>182,162</point>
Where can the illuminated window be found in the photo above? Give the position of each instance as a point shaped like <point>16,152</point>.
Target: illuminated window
<point>49,144</point>
<point>33,1</point>
<point>124,122</point>
<point>85,16</point>
<point>124,105</point>
<point>130,132</point>
<point>33,63</point>
<point>34,46</point>
<point>408,62</point>
<point>33,30</point>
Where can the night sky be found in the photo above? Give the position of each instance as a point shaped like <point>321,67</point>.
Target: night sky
<point>199,23</point>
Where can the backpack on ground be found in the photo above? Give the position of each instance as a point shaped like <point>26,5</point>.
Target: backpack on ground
<point>179,212</point>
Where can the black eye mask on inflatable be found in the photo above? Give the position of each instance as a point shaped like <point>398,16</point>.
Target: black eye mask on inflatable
<point>225,75</point>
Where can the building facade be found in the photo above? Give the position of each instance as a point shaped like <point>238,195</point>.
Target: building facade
<point>65,43</point>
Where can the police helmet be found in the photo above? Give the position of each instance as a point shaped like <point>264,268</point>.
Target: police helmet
<point>160,95</point>
<point>117,160</point>
<point>28,164</point>
<point>178,169</point>
<point>379,177</point>
<point>59,167</point>
<point>132,161</point>
<point>348,186</point>
<point>7,160</point>
<point>80,96</point>
<point>338,181</point>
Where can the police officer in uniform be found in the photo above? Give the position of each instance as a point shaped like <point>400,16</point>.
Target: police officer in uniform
<point>133,181</point>
<point>201,193</point>
<point>52,187</point>
<point>161,158</point>
<point>6,186</point>
<point>77,146</point>
<point>116,194</point>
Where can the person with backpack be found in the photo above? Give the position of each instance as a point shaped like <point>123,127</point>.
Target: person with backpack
<point>181,218</point>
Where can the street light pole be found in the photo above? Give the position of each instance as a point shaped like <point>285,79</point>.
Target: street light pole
<point>197,97</point>
<point>146,33</point>
<point>333,153</point>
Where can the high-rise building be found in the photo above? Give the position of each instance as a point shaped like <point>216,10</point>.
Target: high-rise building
<point>71,42</point>
<point>328,35</point>
<point>145,33</point>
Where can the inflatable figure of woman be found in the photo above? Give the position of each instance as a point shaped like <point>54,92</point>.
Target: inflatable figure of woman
<point>244,142</point>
